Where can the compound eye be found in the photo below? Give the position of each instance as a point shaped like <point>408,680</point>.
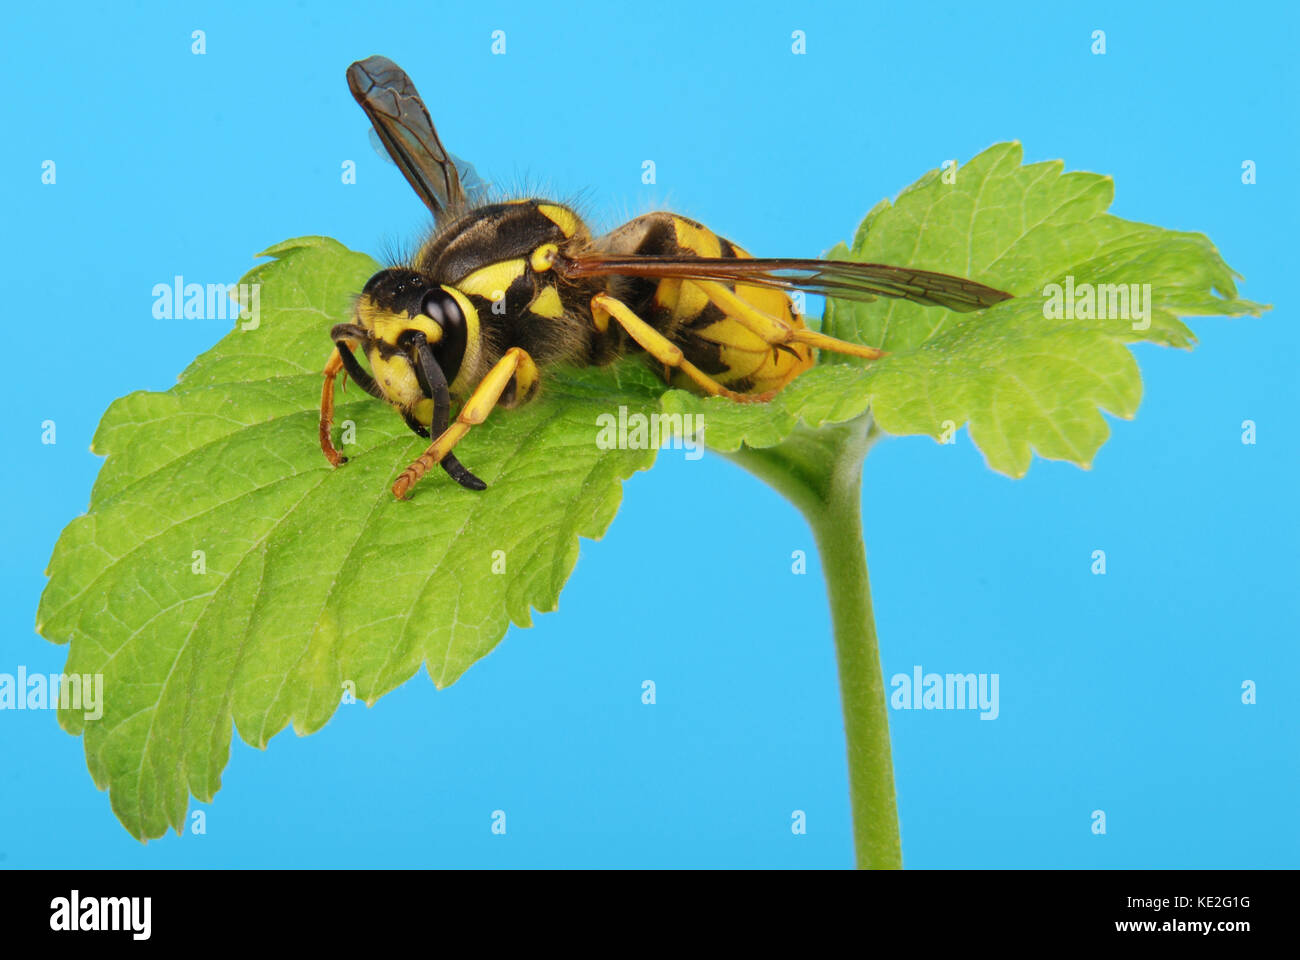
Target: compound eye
<point>442,309</point>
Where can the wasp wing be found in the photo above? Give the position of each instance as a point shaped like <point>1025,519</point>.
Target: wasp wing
<point>402,122</point>
<point>842,279</point>
<point>475,187</point>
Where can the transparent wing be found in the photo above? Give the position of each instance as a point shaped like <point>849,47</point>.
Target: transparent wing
<point>403,126</point>
<point>475,187</point>
<point>830,278</point>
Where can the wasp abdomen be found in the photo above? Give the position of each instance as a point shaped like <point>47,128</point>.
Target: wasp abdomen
<point>718,345</point>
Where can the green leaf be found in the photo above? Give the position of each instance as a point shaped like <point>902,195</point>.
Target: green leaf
<point>1023,382</point>
<point>314,576</point>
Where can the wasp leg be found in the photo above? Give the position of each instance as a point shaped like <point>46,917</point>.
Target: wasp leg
<point>342,336</point>
<point>332,368</point>
<point>341,359</point>
<point>516,365</point>
<point>434,384</point>
<point>603,306</point>
<point>775,330</point>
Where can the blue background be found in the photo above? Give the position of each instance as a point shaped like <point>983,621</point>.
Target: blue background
<point>1119,692</point>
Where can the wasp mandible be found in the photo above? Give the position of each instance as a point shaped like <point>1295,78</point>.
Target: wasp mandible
<point>715,319</point>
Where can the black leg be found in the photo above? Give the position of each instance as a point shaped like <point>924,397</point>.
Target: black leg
<point>419,429</point>
<point>341,334</point>
<point>434,383</point>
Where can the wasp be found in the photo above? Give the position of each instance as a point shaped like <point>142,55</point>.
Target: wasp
<point>500,291</point>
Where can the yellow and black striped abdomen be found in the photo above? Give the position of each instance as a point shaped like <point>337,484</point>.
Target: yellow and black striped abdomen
<point>719,345</point>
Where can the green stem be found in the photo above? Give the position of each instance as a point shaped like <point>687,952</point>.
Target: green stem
<point>821,473</point>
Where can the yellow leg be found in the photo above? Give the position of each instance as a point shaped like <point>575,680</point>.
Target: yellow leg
<point>603,306</point>
<point>775,330</point>
<point>516,364</point>
<point>332,369</point>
